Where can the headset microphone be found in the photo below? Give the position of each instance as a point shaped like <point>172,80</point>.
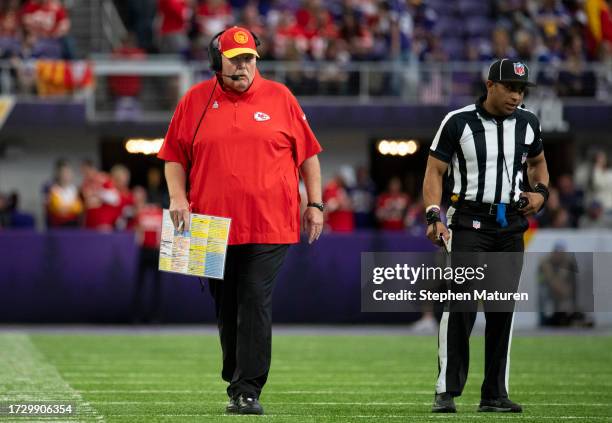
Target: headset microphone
<point>232,77</point>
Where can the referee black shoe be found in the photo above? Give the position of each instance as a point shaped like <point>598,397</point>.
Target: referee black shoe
<point>232,406</point>
<point>248,404</point>
<point>444,403</point>
<point>499,405</point>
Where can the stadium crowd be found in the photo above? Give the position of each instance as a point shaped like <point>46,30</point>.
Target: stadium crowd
<point>561,37</point>
<point>434,30</point>
<point>580,200</point>
<point>338,32</point>
<point>108,201</point>
<point>32,29</point>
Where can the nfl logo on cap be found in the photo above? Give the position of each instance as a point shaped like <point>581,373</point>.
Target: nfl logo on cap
<point>519,69</point>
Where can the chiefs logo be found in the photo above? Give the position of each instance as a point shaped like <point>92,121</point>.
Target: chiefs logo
<point>519,69</point>
<point>261,117</point>
<point>241,37</point>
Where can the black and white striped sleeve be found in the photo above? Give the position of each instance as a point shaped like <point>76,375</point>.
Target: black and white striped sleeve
<point>446,141</point>
<point>537,146</point>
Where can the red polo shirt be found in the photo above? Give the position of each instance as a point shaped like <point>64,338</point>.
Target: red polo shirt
<point>244,161</point>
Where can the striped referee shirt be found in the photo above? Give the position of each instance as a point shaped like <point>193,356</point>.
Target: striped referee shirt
<point>486,153</point>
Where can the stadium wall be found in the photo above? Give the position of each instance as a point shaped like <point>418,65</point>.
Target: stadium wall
<point>88,277</point>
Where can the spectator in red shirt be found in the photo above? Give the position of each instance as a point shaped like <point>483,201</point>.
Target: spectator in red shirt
<point>213,16</point>
<point>242,141</point>
<point>289,37</point>
<point>392,206</point>
<point>48,22</point>
<point>100,198</point>
<point>175,17</point>
<point>339,214</point>
<point>45,18</point>
<point>120,175</point>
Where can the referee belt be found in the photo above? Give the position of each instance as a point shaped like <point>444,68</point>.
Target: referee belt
<point>482,208</point>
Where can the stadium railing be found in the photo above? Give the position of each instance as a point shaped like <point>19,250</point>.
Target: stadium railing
<point>165,78</point>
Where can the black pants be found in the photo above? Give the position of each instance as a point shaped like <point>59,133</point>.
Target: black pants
<point>456,327</point>
<point>244,314</point>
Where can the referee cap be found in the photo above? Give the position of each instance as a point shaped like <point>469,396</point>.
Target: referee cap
<point>235,41</point>
<point>506,70</point>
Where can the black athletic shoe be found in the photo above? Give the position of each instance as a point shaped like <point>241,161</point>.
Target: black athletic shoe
<point>232,406</point>
<point>444,403</point>
<point>499,405</point>
<point>248,404</point>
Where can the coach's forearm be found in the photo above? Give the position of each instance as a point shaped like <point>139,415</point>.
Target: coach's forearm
<point>311,174</point>
<point>176,179</point>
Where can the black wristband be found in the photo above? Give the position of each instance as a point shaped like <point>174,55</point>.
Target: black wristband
<point>542,189</point>
<point>432,216</point>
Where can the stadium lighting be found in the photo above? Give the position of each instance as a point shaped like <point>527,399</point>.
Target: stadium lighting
<point>144,146</point>
<point>397,147</point>
<point>412,146</point>
<point>383,147</point>
<point>393,148</point>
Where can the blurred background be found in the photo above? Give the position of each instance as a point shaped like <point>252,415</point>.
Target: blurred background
<point>88,88</point>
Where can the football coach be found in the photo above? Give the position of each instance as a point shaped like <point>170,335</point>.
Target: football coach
<point>483,148</point>
<point>235,148</point>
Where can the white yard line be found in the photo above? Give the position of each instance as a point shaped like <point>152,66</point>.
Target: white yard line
<point>411,418</point>
<point>316,380</point>
<point>393,404</point>
<point>302,392</point>
<point>28,376</point>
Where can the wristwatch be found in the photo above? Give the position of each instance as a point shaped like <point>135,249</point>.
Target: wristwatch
<point>432,215</point>
<point>320,206</point>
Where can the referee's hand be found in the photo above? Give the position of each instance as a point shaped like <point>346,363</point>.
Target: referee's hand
<point>179,213</point>
<point>534,204</point>
<point>434,231</point>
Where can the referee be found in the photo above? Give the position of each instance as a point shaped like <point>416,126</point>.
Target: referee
<point>483,147</point>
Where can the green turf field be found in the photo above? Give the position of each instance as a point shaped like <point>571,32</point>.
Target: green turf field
<point>151,378</point>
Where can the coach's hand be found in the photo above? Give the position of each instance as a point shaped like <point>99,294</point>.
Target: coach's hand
<point>535,202</point>
<point>434,231</point>
<point>179,213</point>
<point>312,221</point>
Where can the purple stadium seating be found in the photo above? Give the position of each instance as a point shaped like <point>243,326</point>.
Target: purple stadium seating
<point>478,26</point>
<point>455,47</point>
<point>449,27</point>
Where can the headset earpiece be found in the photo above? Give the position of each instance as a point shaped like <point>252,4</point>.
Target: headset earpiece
<point>214,54</point>
<point>256,38</point>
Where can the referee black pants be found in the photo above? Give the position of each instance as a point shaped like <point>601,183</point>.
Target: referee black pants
<point>244,314</point>
<point>456,326</point>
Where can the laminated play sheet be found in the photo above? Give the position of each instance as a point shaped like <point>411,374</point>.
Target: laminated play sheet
<point>201,251</point>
